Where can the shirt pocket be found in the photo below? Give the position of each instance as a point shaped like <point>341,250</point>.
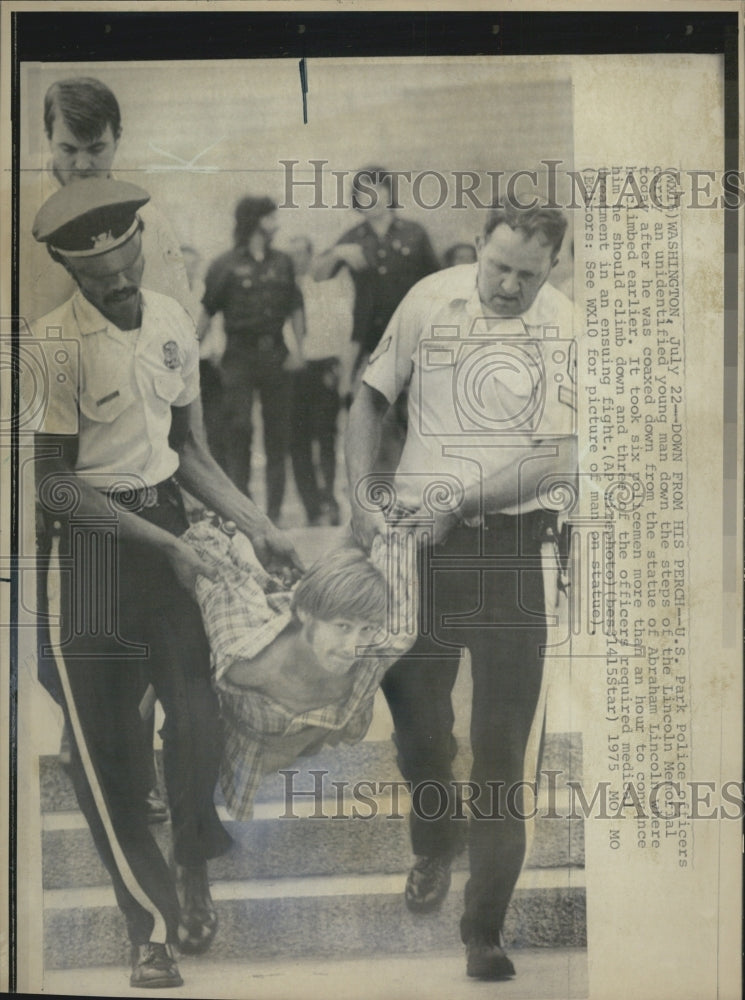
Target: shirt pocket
<point>168,386</point>
<point>104,403</point>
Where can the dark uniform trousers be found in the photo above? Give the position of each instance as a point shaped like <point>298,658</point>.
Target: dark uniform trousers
<point>481,589</point>
<point>315,409</point>
<point>245,369</point>
<point>126,621</point>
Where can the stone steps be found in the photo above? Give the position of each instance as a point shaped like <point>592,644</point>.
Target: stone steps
<point>329,917</point>
<point>277,848</point>
<point>370,760</point>
<point>313,885</point>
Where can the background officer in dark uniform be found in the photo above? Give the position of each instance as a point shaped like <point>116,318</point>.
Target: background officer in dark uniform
<point>386,256</point>
<point>254,287</point>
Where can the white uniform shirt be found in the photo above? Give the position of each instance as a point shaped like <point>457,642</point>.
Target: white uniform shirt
<point>483,389</point>
<point>115,388</point>
<point>328,309</point>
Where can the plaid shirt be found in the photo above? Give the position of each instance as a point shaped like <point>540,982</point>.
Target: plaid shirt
<point>243,612</point>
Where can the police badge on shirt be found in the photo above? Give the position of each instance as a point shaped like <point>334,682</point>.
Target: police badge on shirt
<point>172,355</point>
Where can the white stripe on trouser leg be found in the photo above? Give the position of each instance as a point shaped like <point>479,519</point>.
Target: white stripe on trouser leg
<point>159,933</point>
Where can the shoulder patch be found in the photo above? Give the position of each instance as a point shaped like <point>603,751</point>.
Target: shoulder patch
<point>380,350</point>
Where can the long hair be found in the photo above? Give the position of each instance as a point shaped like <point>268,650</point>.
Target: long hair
<point>248,213</point>
<point>343,584</point>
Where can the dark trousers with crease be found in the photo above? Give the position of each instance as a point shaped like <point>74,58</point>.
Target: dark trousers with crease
<point>246,370</point>
<point>127,622</point>
<point>315,409</point>
<point>481,589</point>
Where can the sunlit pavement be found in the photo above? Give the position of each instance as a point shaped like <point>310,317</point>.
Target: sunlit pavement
<point>542,974</point>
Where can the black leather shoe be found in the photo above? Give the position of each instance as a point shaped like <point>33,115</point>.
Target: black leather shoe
<point>198,923</point>
<point>486,960</point>
<point>155,807</point>
<point>154,967</point>
<point>427,884</point>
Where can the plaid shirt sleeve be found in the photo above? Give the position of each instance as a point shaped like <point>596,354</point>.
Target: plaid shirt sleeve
<point>241,618</point>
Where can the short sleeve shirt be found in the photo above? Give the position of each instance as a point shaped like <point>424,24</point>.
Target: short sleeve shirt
<point>328,315</point>
<point>396,261</point>
<point>114,388</point>
<point>482,389</point>
<point>255,297</point>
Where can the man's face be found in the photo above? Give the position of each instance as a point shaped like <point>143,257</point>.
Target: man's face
<point>76,159</point>
<point>511,270</point>
<point>374,199</point>
<point>269,224</point>
<point>111,281</point>
<point>335,642</point>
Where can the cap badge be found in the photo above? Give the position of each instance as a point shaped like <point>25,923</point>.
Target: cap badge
<point>101,241</point>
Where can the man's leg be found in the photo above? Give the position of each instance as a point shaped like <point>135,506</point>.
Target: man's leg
<point>325,429</point>
<point>276,395</point>
<point>178,662</point>
<point>301,443</point>
<point>507,669</point>
<point>210,383</point>
<point>235,427</point>
<point>418,691</point>
<point>101,692</point>
<point>192,735</point>
<point>102,712</point>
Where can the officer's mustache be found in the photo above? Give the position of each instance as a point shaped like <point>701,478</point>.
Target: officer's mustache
<point>120,295</point>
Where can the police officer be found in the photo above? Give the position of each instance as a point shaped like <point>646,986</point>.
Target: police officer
<point>385,255</point>
<point>120,433</point>
<point>492,411</point>
<point>253,286</point>
<point>83,126</point>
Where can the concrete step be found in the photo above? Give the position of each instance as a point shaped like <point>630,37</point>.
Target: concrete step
<point>370,760</point>
<point>542,974</point>
<point>320,917</point>
<point>280,847</point>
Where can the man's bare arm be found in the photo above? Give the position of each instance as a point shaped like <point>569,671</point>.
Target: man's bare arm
<point>55,473</point>
<point>526,477</point>
<point>200,474</point>
<point>326,265</point>
<point>530,475</point>
<point>296,359</point>
<point>361,449</point>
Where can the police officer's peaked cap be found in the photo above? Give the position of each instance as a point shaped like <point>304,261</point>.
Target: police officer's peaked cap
<point>89,217</point>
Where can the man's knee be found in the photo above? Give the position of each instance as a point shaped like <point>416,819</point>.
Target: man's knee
<point>423,755</point>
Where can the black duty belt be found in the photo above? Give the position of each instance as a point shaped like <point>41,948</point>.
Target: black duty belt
<point>133,499</point>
